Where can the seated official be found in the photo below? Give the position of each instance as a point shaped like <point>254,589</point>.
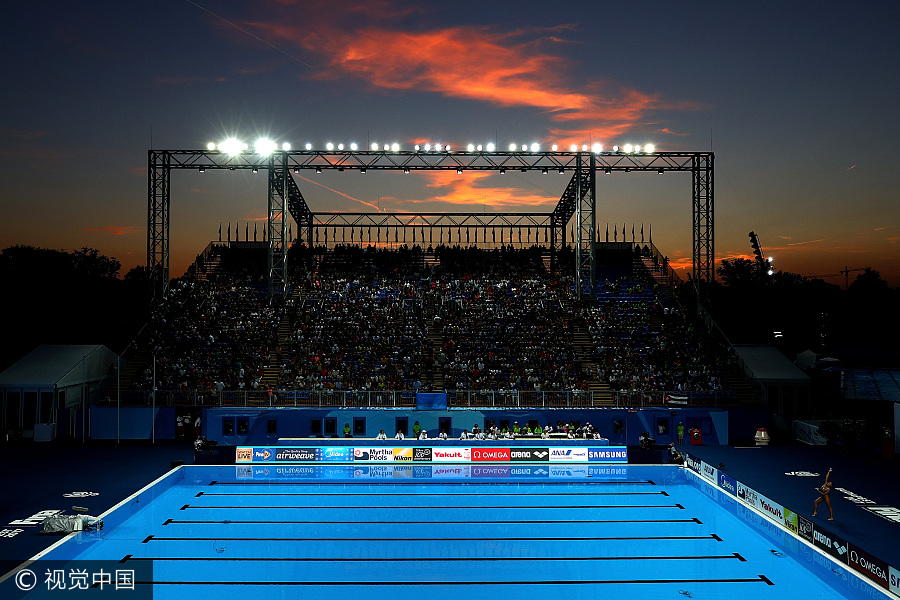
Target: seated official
<point>381,435</point>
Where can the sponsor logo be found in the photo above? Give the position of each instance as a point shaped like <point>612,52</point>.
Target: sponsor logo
<point>266,454</point>
<point>403,454</point>
<point>772,508</point>
<point>604,471</point>
<point>692,463</point>
<point>422,472</point>
<point>528,472</point>
<point>243,455</point>
<point>360,454</point>
<point>791,520</point>
<point>451,454</point>
<point>728,483</point>
<point>569,455</point>
<point>490,454</point>
<point>569,471</point>
<point>498,471</point>
<point>889,513</point>
<point>295,454</point>
<point>422,454</point>
<point>451,471</point>
<point>608,454</point>
<point>336,454</point>
<point>873,568</point>
<point>80,494</point>
<point>805,528</point>
<point>708,472</point>
<point>243,472</point>
<point>530,454</point>
<point>403,471</point>
<point>801,474</point>
<point>830,543</point>
<point>854,497</point>
<point>894,582</point>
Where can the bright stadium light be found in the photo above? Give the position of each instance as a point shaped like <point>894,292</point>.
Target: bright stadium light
<point>395,147</point>
<point>340,146</point>
<point>615,148</point>
<point>374,146</point>
<point>490,147</point>
<point>211,146</point>
<point>535,147</point>
<point>637,148</point>
<point>427,147</point>
<point>479,147</point>
<point>387,147</point>
<point>230,146</point>
<point>584,147</point>
<point>416,147</point>
<point>308,146</point>
<point>649,148</point>
<point>286,146</point>
<point>470,148</point>
<point>524,147</point>
<point>353,146</point>
<point>512,147</point>
<point>596,148</point>
<point>554,147</point>
<point>447,148</point>
<point>573,148</point>
<point>329,146</point>
<point>628,148</point>
<point>265,146</point>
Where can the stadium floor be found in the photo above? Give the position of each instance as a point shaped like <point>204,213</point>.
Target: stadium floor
<point>767,470</point>
<point>38,476</point>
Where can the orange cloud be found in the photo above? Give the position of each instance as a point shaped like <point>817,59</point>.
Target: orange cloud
<point>465,189</point>
<point>471,63</point>
<point>115,229</point>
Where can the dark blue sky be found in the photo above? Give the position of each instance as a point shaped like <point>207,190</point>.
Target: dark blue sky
<point>798,100</point>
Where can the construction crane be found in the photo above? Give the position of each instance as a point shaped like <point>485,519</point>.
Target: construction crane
<point>845,272</point>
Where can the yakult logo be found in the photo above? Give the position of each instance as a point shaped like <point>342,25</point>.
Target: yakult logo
<point>772,509</point>
<point>452,454</point>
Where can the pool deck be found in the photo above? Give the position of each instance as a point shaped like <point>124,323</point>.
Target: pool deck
<point>36,477</point>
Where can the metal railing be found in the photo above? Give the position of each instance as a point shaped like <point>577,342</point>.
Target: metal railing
<point>407,399</point>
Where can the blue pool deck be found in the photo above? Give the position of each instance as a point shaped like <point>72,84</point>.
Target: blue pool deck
<point>444,530</point>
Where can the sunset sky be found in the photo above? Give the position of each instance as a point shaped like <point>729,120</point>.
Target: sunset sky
<point>799,101</point>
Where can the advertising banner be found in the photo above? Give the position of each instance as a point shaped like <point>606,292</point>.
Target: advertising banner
<point>709,472</point>
<point>403,454</point>
<point>296,454</point>
<point>805,528</point>
<point>873,568</point>
<point>609,454</point>
<point>691,463</point>
<point>727,483</point>
<point>529,454</point>
<point>894,582</point>
<point>451,471</point>
<point>830,543</point>
<point>568,455</point>
<point>529,471</point>
<point>422,454</point>
<point>451,454</point>
<point>491,471</point>
<point>373,454</point>
<point>490,454</point>
<point>792,521</point>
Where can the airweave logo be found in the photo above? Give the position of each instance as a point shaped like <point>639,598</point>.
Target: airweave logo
<point>290,454</point>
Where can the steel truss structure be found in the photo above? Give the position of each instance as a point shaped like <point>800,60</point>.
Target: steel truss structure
<point>579,200</point>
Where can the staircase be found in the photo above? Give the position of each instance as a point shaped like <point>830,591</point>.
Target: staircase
<point>272,370</point>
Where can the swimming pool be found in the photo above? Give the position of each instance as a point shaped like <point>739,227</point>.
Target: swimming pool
<point>371,532</point>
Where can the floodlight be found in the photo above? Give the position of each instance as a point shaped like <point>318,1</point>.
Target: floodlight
<point>554,147</point>
<point>447,148</point>
<point>340,146</point>
<point>637,148</point>
<point>543,171</point>
<point>503,171</point>
<point>244,146</point>
<point>427,147</point>
<point>660,171</point>
<point>230,146</point>
<point>607,171</point>
<point>406,170</point>
<point>479,147</point>
<point>353,146</point>
<point>535,147</point>
<point>512,147</point>
<point>264,146</point>
<point>596,148</point>
<point>318,169</point>
<point>416,147</point>
<point>562,171</point>
<point>649,148</point>
<point>470,148</point>
<point>211,146</point>
<point>255,169</point>
<point>286,146</point>
<point>395,147</point>
<point>771,271</point>
<point>524,147</point>
<point>329,146</point>
<point>363,171</point>
<point>374,146</point>
<point>628,148</point>
<point>490,147</point>
<point>573,148</point>
<point>308,146</point>
<point>615,148</point>
<point>459,171</point>
<point>202,169</point>
<point>584,147</point>
<point>387,147</point>
<point>770,259</point>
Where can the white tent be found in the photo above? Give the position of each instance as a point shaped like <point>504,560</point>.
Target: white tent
<point>49,378</point>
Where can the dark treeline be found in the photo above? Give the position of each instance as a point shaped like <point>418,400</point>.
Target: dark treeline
<point>60,297</point>
<point>860,325</point>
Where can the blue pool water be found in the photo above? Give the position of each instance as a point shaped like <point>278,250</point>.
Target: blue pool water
<point>447,531</point>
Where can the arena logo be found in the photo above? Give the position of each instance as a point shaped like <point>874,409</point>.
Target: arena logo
<point>836,546</point>
<point>530,454</point>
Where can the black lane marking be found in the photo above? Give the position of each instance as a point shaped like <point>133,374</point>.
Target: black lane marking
<point>758,579</point>
<point>741,558</point>
<point>698,521</point>
<point>663,492</point>
<point>130,557</point>
<point>432,539</point>
<point>480,522</point>
<point>198,494</point>
<point>322,507</point>
<point>147,539</point>
<point>213,482</point>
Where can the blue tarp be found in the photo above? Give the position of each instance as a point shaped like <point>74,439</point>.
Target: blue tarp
<point>431,401</point>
